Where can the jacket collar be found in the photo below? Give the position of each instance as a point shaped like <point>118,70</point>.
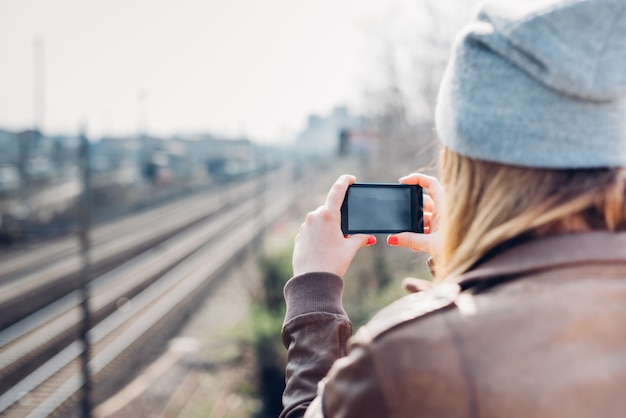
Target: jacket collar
<point>548,253</point>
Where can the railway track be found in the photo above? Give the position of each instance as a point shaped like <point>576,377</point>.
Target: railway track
<point>134,305</point>
<point>34,278</point>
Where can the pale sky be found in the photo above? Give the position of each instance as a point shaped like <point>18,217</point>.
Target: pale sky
<point>253,67</point>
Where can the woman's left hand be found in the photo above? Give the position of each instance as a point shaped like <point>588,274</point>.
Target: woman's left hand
<point>431,240</point>
<point>320,244</point>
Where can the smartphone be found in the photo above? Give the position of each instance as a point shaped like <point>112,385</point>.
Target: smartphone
<point>382,208</point>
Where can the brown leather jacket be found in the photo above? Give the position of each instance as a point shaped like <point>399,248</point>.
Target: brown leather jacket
<point>538,330</point>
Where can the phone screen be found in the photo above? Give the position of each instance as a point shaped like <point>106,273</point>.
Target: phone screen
<point>382,208</point>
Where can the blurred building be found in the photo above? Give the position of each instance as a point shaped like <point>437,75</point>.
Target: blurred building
<point>40,181</point>
<point>321,135</point>
<point>226,158</point>
<point>360,142</point>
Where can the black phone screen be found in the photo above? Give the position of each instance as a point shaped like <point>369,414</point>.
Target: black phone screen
<point>382,208</point>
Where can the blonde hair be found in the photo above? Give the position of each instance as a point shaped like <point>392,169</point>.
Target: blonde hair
<point>489,204</point>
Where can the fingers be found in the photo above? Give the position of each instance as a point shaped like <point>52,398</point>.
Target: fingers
<point>362,240</point>
<point>365,240</point>
<point>371,240</point>
<point>337,192</point>
<point>417,242</point>
<point>434,202</point>
<point>429,205</point>
<point>321,246</point>
<point>427,222</point>
<point>431,184</point>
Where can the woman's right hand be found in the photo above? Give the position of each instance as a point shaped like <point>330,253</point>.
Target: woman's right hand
<point>320,245</point>
<point>430,241</point>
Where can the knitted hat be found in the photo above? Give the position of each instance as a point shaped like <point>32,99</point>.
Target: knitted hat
<point>539,83</point>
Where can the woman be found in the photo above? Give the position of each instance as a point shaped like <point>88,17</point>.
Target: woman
<point>529,240</point>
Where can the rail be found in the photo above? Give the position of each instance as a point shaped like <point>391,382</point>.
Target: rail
<point>133,303</point>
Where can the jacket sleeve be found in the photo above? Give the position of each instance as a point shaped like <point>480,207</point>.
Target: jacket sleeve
<point>315,332</point>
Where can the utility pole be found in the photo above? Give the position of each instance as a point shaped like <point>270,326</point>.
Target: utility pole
<point>28,139</point>
<point>39,85</point>
<point>85,276</point>
<point>142,127</point>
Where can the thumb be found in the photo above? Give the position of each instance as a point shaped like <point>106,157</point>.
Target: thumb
<point>417,242</point>
<point>362,240</point>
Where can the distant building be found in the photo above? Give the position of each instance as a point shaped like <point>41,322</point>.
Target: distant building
<point>358,142</point>
<point>220,158</point>
<point>322,133</point>
<point>8,148</point>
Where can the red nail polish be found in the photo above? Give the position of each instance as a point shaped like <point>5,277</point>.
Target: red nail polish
<point>371,240</point>
<point>392,240</point>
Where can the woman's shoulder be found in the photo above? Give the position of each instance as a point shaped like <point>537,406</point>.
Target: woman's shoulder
<point>411,308</point>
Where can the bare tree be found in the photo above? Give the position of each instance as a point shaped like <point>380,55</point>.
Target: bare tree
<point>411,44</point>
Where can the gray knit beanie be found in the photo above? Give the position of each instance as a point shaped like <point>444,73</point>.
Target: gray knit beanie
<point>539,83</point>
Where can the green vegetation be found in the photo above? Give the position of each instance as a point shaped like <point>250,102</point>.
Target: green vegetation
<point>268,312</point>
<point>372,282</point>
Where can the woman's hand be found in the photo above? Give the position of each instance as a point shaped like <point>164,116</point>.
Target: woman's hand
<point>320,244</point>
<point>430,241</point>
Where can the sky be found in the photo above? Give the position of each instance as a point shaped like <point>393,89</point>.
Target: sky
<point>255,68</point>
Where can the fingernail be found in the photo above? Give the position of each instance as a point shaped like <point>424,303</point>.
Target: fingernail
<point>371,240</point>
<point>392,240</point>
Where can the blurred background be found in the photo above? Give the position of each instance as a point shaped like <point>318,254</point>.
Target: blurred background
<point>156,161</point>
